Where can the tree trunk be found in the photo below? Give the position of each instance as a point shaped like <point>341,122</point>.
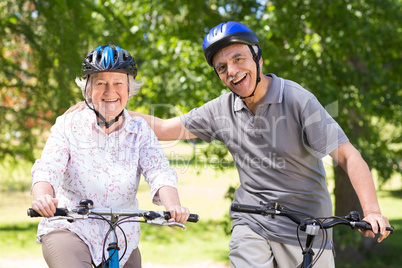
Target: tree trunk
<point>350,246</point>
<point>346,199</point>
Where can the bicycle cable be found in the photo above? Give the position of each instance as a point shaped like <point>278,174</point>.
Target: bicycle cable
<point>324,240</point>
<point>112,227</point>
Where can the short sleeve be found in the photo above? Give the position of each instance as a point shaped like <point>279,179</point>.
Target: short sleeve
<point>201,121</point>
<point>55,156</point>
<point>321,133</point>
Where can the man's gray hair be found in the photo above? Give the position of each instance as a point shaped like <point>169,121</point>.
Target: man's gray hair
<point>255,47</point>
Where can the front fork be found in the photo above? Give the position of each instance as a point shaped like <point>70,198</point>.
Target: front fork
<point>113,248</point>
<point>308,253</point>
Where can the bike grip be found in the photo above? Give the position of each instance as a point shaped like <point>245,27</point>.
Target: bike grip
<point>367,226</point>
<point>250,209</point>
<point>59,212</point>
<point>191,218</point>
<point>363,225</point>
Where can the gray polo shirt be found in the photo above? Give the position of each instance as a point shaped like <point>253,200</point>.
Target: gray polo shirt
<point>277,152</point>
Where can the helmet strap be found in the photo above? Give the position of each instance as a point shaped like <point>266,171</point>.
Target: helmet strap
<point>256,60</point>
<point>103,121</point>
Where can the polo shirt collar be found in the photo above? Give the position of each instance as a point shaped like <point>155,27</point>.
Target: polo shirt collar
<point>275,91</point>
<point>274,95</point>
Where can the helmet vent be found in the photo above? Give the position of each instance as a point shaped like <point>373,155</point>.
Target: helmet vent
<point>108,58</point>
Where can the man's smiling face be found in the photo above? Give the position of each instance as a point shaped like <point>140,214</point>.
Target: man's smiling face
<point>236,68</point>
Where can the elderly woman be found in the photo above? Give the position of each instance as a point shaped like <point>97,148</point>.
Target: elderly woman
<point>99,153</point>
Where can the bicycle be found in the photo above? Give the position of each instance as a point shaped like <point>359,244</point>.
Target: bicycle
<point>86,210</point>
<point>311,226</point>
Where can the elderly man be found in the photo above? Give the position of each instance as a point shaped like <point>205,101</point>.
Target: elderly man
<point>277,133</point>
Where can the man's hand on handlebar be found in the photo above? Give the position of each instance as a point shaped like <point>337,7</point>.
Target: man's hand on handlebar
<point>376,220</point>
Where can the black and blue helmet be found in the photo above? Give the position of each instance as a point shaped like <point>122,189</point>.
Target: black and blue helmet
<point>108,58</point>
<point>226,34</point>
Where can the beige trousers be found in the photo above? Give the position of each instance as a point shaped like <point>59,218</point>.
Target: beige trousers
<point>64,249</point>
<point>249,249</point>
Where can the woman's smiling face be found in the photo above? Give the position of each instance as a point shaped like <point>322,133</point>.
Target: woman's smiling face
<point>109,93</point>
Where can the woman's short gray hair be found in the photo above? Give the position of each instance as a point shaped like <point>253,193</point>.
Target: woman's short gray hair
<point>134,86</point>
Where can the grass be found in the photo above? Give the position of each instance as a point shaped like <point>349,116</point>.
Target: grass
<point>18,240</point>
<point>388,253</point>
<point>199,242</point>
<point>202,189</point>
<point>391,205</point>
<point>17,231</point>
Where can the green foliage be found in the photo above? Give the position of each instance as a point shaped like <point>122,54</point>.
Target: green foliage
<point>347,53</point>
<point>40,57</point>
<point>217,154</point>
<point>15,175</point>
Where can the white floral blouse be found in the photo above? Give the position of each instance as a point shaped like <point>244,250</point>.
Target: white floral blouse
<point>80,161</point>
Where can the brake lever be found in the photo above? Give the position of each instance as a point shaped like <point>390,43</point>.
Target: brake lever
<point>69,218</point>
<point>162,222</point>
<point>175,224</point>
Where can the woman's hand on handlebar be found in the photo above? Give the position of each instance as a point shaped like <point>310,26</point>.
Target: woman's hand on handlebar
<point>378,223</point>
<point>170,199</point>
<point>178,214</point>
<point>45,205</point>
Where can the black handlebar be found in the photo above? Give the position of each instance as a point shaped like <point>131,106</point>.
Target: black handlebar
<point>352,221</point>
<point>149,215</point>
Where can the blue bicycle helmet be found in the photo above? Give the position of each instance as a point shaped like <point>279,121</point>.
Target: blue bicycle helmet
<point>108,58</point>
<point>230,33</point>
<point>226,34</point>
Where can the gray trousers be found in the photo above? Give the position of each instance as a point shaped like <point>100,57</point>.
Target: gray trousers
<point>249,249</point>
<point>64,249</point>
